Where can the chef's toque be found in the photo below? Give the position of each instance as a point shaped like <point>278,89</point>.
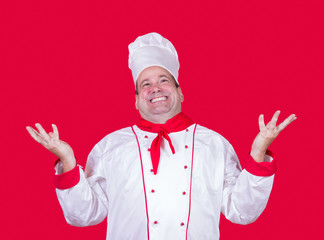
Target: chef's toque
<point>152,50</point>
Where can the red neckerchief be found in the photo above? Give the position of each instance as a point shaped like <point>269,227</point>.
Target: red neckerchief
<point>178,123</point>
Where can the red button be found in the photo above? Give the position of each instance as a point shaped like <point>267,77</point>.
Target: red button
<point>146,136</point>
<point>182,224</point>
<point>186,146</point>
<point>152,190</point>
<point>149,149</point>
<point>185,167</point>
<point>152,170</point>
<point>187,130</point>
<point>155,222</point>
<point>184,193</point>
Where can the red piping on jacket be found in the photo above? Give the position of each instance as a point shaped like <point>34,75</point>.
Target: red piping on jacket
<point>193,147</point>
<point>139,150</point>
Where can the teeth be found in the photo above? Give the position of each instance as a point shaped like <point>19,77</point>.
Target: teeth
<point>158,99</point>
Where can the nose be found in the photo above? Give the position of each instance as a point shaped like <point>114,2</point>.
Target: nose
<point>156,88</point>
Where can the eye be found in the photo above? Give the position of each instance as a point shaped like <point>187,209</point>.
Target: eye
<point>145,84</point>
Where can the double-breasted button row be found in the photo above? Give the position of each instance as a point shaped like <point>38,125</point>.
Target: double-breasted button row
<point>153,191</point>
<point>156,223</point>
<point>185,167</point>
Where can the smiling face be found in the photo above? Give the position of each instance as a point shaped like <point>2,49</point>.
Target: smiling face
<point>157,99</point>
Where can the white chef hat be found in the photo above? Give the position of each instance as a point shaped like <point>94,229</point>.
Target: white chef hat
<point>152,50</point>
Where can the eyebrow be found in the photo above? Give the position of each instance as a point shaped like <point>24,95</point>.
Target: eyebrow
<point>160,76</point>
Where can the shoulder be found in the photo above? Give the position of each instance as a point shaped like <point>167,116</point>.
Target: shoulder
<point>114,140</point>
<point>121,133</point>
<point>209,136</point>
<point>212,142</point>
<point>117,137</point>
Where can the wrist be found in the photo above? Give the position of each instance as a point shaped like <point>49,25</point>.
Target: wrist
<point>68,163</point>
<point>258,156</point>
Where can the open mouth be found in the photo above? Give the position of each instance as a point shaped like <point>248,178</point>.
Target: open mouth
<point>158,99</point>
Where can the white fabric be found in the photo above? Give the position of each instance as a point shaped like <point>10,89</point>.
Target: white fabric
<point>152,50</point>
<point>113,185</point>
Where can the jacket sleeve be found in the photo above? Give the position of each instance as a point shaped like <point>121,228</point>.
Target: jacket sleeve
<point>245,195</point>
<point>85,203</point>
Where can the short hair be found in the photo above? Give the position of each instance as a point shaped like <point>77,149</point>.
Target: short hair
<point>174,81</point>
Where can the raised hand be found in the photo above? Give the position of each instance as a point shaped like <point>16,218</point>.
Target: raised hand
<point>267,134</point>
<point>52,142</point>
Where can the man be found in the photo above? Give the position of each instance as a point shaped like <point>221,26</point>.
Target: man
<point>165,177</point>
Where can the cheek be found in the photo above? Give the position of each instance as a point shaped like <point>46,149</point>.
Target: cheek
<point>141,97</point>
<point>167,90</point>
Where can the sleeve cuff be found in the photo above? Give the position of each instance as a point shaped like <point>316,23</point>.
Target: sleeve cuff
<point>68,179</point>
<point>262,169</point>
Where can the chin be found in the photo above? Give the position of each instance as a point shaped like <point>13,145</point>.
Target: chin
<point>160,112</point>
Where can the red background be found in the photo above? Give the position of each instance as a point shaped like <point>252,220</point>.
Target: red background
<point>65,62</point>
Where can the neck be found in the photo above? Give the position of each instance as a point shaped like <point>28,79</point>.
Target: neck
<point>159,118</point>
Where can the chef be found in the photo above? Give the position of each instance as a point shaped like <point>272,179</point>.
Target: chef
<point>166,177</point>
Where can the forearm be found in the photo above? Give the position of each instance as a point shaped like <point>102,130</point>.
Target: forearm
<point>245,193</point>
<point>244,203</point>
<point>82,204</point>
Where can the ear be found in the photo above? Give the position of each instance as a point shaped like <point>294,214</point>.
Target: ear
<point>136,99</point>
<point>181,94</point>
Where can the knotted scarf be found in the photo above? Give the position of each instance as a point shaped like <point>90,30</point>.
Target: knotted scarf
<point>178,123</point>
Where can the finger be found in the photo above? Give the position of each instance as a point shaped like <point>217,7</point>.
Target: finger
<point>286,122</point>
<point>274,119</point>
<point>261,122</point>
<point>32,131</point>
<point>55,131</point>
<point>42,132</point>
<point>34,134</point>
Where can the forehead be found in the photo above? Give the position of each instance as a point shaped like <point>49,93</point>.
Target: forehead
<point>153,71</point>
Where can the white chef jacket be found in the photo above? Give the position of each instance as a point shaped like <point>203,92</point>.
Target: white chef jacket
<point>182,201</point>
